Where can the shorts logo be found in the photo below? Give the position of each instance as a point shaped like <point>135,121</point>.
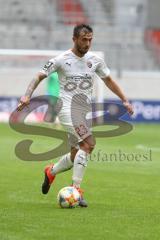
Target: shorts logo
<point>81,130</point>
<point>89,64</point>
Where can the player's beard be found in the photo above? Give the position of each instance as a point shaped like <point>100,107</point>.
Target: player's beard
<point>82,50</point>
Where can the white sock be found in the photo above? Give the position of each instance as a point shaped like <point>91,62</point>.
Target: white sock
<point>80,163</point>
<point>62,165</point>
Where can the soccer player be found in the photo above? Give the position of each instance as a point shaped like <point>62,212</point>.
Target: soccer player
<point>76,68</point>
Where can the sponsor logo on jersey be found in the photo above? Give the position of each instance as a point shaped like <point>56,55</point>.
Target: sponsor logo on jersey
<point>78,78</point>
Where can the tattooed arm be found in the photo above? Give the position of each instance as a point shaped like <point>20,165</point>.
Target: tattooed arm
<point>25,100</point>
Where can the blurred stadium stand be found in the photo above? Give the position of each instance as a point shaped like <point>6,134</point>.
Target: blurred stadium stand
<point>126,31</point>
<point>119,27</point>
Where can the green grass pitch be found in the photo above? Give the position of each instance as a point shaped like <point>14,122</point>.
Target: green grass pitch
<point>123,196</point>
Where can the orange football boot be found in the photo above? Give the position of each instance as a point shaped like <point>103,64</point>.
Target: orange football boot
<point>48,179</point>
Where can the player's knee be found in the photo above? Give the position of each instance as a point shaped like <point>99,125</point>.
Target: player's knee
<point>88,147</point>
<point>91,145</point>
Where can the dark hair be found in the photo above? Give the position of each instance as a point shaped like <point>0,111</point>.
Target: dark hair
<point>82,27</point>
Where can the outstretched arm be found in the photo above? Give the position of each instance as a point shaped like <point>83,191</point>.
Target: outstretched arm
<point>114,87</point>
<point>25,100</point>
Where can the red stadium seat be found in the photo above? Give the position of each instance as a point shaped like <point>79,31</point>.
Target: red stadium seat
<point>152,39</point>
<point>72,12</point>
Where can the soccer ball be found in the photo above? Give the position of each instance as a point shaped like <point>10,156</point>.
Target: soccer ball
<point>68,197</point>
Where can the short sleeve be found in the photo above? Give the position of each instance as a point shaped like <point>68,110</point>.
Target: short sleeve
<point>50,67</point>
<point>102,70</point>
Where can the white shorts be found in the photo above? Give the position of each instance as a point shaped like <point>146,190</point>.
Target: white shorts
<point>72,116</point>
<point>77,127</point>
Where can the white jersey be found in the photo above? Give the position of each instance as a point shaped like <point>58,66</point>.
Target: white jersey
<point>76,74</point>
